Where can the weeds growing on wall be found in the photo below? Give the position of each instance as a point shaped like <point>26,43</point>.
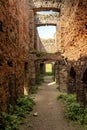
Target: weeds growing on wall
<point>74,111</point>
<point>11,120</point>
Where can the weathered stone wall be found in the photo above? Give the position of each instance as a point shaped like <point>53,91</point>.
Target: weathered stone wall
<point>74,43</point>
<point>45,4</point>
<point>45,19</point>
<point>13,50</point>
<point>38,42</point>
<point>48,45</point>
<point>61,75</point>
<point>31,29</point>
<point>73,28</point>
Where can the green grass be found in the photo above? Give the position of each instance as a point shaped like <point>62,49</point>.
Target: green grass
<point>12,120</point>
<point>74,111</point>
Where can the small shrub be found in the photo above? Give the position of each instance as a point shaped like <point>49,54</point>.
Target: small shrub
<point>67,98</point>
<point>48,74</point>
<point>39,53</point>
<point>11,121</point>
<point>74,111</point>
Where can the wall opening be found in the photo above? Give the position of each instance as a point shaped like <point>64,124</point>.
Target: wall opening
<point>42,68</point>
<point>84,79</point>
<point>48,69</point>
<point>46,31</point>
<point>72,81</point>
<point>47,12</point>
<point>72,73</point>
<point>26,67</point>
<point>1,26</point>
<point>26,88</point>
<point>10,64</point>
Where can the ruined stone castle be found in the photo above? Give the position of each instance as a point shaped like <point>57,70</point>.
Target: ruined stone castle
<point>23,54</point>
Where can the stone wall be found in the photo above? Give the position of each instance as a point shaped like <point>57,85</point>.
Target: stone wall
<point>14,48</point>
<point>48,45</point>
<point>74,43</point>
<point>45,4</point>
<point>73,27</point>
<point>60,70</point>
<point>46,19</point>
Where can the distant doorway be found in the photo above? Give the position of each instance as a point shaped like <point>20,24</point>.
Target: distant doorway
<point>49,69</point>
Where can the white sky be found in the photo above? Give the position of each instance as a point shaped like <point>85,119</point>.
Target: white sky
<point>46,31</point>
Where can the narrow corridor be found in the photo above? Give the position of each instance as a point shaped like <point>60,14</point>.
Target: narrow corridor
<point>49,111</point>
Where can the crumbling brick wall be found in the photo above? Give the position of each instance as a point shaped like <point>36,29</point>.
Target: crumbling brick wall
<point>74,40</point>
<point>14,42</point>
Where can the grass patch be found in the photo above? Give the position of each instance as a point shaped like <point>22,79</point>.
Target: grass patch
<point>74,111</point>
<point>48,74</point>
<point>12,120</point>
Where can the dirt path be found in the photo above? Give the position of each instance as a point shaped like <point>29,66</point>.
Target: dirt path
<point>50,111</point>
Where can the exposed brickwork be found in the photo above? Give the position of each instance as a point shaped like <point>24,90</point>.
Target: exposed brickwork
<point>45,4</point>
<point>20,64</point>
<point>13,50</point>
<point>48,45</point>
<point>74,42</point>
<point>45,19</point>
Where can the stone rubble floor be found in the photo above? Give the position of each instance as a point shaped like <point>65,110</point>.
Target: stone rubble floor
<point>49,111</point>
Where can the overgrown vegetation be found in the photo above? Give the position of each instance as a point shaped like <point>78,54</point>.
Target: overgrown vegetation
<point>39,53</point>
<point>40,79</point>
<point>74,111</point>
<point>34,89</point>
<point>48,74</point>
<point>11,120</point>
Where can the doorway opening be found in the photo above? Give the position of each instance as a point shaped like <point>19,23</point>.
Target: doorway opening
<point>49,69</point>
